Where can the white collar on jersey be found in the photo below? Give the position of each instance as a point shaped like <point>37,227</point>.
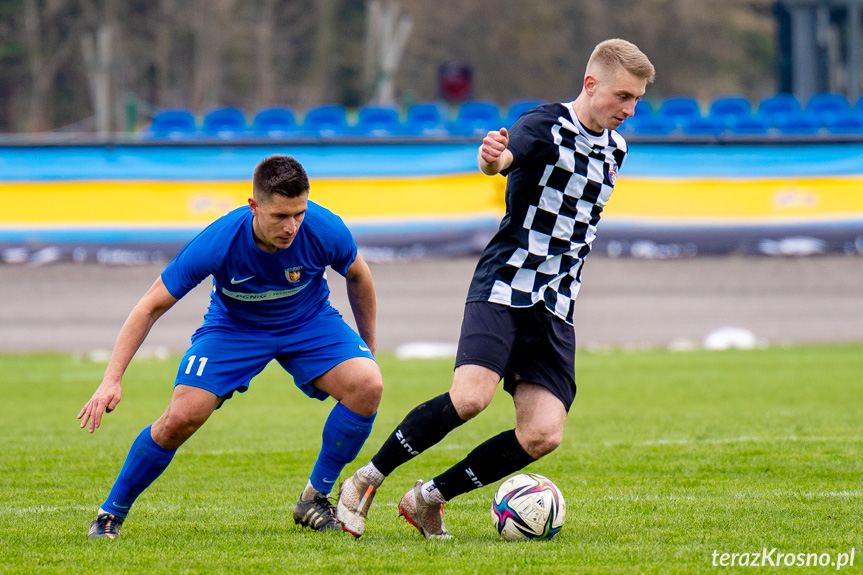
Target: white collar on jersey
<point>594,139</point>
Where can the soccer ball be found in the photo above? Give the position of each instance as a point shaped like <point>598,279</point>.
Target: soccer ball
<point>528,506</point>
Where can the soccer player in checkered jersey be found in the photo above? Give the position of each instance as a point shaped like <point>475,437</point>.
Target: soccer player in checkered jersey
<point>270,300</point>
<point>561,163</point>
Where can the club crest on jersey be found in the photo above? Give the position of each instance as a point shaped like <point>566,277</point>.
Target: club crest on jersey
<point>294,274</point>
<point>612,173</point>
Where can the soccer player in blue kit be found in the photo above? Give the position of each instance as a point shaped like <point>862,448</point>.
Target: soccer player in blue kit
<point>270,300</point>
<point>561,161</point>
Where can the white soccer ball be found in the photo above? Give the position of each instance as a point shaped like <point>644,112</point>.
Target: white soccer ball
<point>528,506</point>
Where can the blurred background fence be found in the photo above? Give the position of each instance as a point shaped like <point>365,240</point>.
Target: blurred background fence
<point>140,203</point>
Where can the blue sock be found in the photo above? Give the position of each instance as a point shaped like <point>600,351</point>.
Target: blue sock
<point>344,434</point>
<point>145,462</point>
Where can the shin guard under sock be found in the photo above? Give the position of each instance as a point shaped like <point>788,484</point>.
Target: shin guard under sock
<point>492,460</point>
<point>146,461</point>
<point>344,434</point>
<point>423,427</point>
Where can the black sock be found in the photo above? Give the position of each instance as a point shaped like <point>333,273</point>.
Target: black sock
<point>427,424</point>
<point>495,459</point>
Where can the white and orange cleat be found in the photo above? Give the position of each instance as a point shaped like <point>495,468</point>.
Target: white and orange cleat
<point>426,517</point>
<point>355,498</point>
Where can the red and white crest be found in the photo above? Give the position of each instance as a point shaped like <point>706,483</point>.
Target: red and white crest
<point>294,274</point>
<point>612,173</point>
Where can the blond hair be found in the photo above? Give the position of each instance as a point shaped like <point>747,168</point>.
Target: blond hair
<point>612,55</point>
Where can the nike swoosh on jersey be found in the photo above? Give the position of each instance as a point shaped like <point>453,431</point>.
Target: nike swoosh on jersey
<point>364,348</point>
<point>235,281</point>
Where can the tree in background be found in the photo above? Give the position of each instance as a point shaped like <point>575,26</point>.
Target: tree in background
<point>700,48</point>
<point>50,34</point>
<point>299,53</point>
<point>13,63</point>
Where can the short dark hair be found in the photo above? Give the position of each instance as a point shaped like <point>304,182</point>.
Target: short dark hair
<point>282,175</point>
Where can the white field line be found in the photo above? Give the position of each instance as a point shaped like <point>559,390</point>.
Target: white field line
<point>779,494</point>
<point>741,439</point>
<point>9,510</point>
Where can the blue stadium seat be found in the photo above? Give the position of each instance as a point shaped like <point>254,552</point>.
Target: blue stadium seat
<point>173,124</point>
<point>826,106</point>
<point>730,107</point>
<point>709,126</point>
<point>476,117</point>
<point>378,121</point>
<point>678,109</point>
<point>643,108</point>
<point>650,125</point>
<point>777,108</point>
<point>851,122</point>
<point>326,120</point>
<point>274,122</point>
<point>752,125</point>
<point>626,128</point>
<point>643,111</point>
<point>801,124</point>
<point>518,107</point>
<point>225,122</point>
<point>425,119</point>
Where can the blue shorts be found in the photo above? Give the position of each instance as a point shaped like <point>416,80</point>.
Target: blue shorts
<point>223,358</point>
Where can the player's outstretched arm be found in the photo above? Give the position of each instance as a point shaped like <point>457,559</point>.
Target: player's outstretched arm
<point>155,302</point>
<point>361,295</point>
<point>494,157</point>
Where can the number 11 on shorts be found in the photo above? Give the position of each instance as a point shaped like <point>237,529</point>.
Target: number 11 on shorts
<point>201,363</point>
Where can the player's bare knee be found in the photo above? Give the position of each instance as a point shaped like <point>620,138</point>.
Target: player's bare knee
<point>364,393</point>
<point>540,442</point>
<point>472,390</point>
<point>373,389</point>
<point>542,446</point>
<point>550,443</point>
<point>171,432</point>
<point>469,406</point>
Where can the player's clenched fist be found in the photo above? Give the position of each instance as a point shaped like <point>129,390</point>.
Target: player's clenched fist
<point>493,155</point>
<point>493,145</point>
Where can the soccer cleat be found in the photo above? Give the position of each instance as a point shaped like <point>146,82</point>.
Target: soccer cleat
<point>355,498</point>
<point>427,517</point>
<point>105,526</point>
<point>319,514</point>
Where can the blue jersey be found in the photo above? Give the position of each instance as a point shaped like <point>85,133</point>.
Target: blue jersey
<point>260,289</point>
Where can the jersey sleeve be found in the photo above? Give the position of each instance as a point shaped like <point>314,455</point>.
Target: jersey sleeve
<point>530,138</point>
<point>197,260</point>
<point>343,248</point>
<point>622,149</point>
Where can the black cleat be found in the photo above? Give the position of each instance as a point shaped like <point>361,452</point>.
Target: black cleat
<point>105,526</point>
<point>318,514</point>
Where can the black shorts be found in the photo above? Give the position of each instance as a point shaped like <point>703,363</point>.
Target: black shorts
<point>520,344</point>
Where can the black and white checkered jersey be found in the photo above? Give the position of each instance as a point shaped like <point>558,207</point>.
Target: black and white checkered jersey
<point>561,177</point>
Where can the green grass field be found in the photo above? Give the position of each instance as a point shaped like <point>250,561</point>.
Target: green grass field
<point>667,458</point>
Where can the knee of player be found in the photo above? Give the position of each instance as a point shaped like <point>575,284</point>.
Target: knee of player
<point>470,406</point>
<point>369,387</point>
<point>540,441</point>
<point>172,432</point>
<point>374,387</point>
